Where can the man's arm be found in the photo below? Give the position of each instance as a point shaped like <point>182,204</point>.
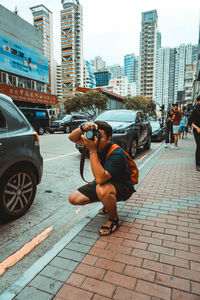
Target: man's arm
<point>100,174</point>
<point>76,136</point>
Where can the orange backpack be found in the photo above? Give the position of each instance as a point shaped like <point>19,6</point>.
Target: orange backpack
<point>134,172</point>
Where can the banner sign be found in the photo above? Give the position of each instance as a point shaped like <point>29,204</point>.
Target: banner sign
<point>17,59</point>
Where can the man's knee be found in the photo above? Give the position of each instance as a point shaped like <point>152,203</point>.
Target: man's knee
<point>73,198</point>
<point>76,198</point>
<point>105,191</point>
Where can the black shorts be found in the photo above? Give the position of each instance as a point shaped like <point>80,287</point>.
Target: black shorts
<point>123,191</point>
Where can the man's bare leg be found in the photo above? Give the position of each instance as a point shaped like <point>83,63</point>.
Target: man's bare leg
<point>76,198</point>
<point>107,195</point>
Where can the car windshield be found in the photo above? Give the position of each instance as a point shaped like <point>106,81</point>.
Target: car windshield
<point>118,116</point>
<point>67,117</point>
<point>155,125</point>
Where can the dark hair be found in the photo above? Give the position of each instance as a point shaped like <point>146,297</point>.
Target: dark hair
<point>198,98</point>
<point>104,126</point>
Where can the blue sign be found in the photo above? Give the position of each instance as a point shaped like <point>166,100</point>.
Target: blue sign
<point>17,59</point>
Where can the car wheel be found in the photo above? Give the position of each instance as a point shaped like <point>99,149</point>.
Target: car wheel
<point>51,131</point>
<point>17,192</point>
<point>133,149</point>
<point>67,129</point>
<point>41,131</point>
<point>147,146</point>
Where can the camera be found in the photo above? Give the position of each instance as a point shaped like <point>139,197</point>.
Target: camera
<point>90,134</point>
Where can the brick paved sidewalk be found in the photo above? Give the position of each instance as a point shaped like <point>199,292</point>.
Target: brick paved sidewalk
<point>154,255</point>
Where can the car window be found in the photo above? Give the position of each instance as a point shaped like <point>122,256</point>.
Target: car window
<point>14,119</point>
<point>117,116</point>
<point>67,118</point>
<point>2,121</point>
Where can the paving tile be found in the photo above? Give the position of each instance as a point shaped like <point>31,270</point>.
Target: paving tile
<point>46,284</point>
<point>153,289</point>
<point>78,247</point>
<point>33,294</point>
<point>120,280</point>
<point>180,295</point>
<point>55,273</point>
<point>140,273</point>
<point>172,281</point>
<point>68,292</point>
<point>90,271</point>
<point>72,255</point>
<point>157,266</point>
<point>126,294</point>
<point>98,287</point>
<point>64,263</point>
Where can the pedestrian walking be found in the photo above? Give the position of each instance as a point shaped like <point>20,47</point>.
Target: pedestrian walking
<point>176,123</point>
<point>183,124</point>
<point>194,121</point>
<point>169,137</point>
<point>112,175</point>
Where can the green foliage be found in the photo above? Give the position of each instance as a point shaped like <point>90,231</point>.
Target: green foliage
<point>140,103</point>
<point>87,103</point>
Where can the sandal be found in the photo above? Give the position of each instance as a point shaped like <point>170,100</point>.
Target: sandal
<point>103,211</point>
<point>110,230</point>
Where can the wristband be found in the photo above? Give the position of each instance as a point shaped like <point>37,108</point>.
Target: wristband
<point>93,152</point>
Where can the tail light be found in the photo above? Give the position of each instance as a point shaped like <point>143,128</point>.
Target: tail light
<point>36,139</point>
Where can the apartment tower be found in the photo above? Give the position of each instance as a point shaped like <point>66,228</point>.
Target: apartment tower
<point>71,47</point>
<point>43,20</point>
<point>150,40</point>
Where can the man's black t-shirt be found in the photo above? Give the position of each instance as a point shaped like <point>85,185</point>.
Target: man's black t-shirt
<point>116,165</point>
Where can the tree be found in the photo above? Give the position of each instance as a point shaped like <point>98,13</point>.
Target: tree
<point>140,103</point>
<point>87,103</point>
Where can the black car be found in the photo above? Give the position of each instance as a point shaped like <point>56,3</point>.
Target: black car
<point>38,117</point>
<point>21,164</point>
<point>131,129</point>
<point>67,123</point>
<point>158,131</point>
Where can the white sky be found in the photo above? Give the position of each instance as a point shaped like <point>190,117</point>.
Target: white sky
<point>111,28</point>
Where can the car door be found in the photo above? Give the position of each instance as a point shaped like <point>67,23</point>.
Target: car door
<point>140,125</point>
<point>144,128</point>
<point>3,134</point>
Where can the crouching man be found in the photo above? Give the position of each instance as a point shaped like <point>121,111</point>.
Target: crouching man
<point>112,176</point>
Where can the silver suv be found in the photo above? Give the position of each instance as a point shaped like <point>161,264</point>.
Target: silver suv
<point>21,164</point>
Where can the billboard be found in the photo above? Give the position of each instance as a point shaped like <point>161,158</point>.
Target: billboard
<point>17,59</point>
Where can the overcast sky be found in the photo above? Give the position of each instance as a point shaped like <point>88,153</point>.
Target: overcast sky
<point>111,28</point>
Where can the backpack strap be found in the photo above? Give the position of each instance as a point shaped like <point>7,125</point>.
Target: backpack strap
<point>112,148</point>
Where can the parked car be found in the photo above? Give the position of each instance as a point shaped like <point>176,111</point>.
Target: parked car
<point>131,129</point>
<point>67,123</point>
<point>21,163</point>
<point>158,131</point>
<point>38,117</point>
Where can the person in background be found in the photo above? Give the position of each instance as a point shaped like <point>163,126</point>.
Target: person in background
<point>194,121</point>
<point>169,129</point>
<point>176,123</point>
<point>183,124</point>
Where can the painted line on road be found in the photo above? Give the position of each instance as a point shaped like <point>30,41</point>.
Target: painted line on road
<point>61,156</point>
<point>27,248</point>
<point>141,158</point>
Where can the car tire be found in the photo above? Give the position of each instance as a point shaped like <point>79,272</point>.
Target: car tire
<point>133,149</point>
<point>51,131</point>
<point>147,146</point>
<point>17,192</point>
<point>67,129</point>
<point>41,130</point>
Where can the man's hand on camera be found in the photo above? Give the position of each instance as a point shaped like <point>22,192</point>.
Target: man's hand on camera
<point>91,145</point>
<point>88,126</point>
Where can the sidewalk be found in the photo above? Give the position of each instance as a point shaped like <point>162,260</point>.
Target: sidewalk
<point>154,255</point>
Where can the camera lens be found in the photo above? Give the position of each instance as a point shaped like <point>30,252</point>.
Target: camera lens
<point>90,135</point>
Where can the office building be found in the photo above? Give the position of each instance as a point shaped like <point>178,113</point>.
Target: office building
<point>129,66</point>
<point>88,77</point>
<point>196,86</point>
<point>116,71</point>
<point>71,47</point>
<point>98,64</point>
<point>150,40</point>
<point>170,73</point>
<point>190,71</point>
<point>102,78</point>
<point>43,20</point>
<point>24,70</point>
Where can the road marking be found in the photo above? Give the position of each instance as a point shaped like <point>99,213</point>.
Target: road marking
<point>60,156</point>
<point>141,158</point>
<point>27,248</point>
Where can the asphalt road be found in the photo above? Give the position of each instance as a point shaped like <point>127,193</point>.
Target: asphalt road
<point>51,207</point>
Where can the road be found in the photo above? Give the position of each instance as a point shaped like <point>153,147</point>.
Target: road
<point>51,207</point>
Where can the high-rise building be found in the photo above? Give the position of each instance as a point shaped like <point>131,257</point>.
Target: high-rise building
<point>71,47</point>
<point>196,89</point>
<point>170,73</point>
<point>43,19</point>
<point>129,65</point>
<point>98,63</point>
<point>116,71</point>
<point>150,40</point>
<point>88,78</point>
